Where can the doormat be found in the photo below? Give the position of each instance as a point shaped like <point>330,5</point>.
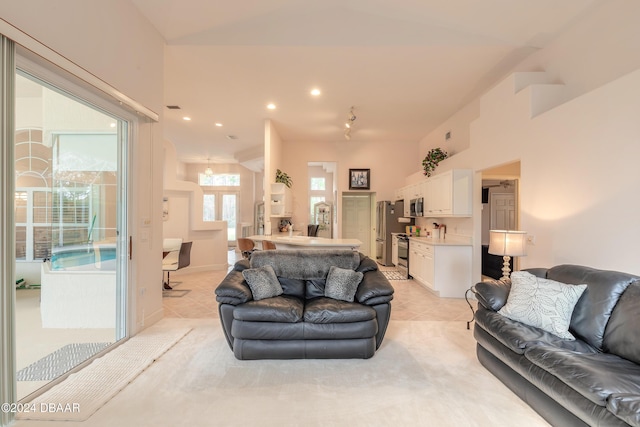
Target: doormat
<point>394,275</point>
<point>60,361</point>
<point>175,293</point>
<point>84,392</point>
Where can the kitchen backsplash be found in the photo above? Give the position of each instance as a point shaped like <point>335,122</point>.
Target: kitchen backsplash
<point>462,227</point>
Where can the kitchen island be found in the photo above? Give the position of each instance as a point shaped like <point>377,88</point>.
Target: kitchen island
<point>284,241</point>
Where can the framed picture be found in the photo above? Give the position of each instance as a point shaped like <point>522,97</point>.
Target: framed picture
<point>359,179</point>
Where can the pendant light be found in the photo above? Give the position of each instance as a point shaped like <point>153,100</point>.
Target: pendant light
<point>208,171</point>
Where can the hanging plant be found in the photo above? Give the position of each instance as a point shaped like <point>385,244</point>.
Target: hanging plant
<point>283,178</point>
<point>433,158</point>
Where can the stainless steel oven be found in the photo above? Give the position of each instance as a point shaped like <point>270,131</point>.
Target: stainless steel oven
<point>403,255</point>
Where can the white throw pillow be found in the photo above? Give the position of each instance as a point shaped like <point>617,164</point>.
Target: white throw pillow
<point>543,303</point>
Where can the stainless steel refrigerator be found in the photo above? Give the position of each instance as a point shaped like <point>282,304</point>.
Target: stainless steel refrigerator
<point>387,214</point>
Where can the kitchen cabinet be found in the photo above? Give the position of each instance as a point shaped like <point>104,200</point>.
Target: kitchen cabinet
<point>281,201</point>
<point>421,263</point>
<point>394,249</point>
<point>407,202</point>
<point>444,269</point>
<point>449,194</point>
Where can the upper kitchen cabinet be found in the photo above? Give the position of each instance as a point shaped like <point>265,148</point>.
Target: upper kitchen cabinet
<point>449,194</point>
<point>281,201</point>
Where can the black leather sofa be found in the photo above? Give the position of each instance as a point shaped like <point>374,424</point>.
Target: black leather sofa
<point>302,322</point>
<point>591,381</point>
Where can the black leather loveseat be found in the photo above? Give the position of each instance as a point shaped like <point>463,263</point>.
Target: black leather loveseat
<point>593,380</point>
<point>311,316</point>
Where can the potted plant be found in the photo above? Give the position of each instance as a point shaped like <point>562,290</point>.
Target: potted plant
<point>433,158</point>
<point>283,178</point>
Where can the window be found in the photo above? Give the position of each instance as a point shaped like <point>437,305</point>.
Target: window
<point>46,219</point>
<point>317,184</point>
<point>219,180</point>
<point>209,207</point>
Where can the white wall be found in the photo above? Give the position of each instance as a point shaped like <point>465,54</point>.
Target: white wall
<point>185,219</point>
<point>273,160</point>
<point>388,162</point>
<point>128,56</point>
<point>246,191</point>
<point>578,171</point>
<point>578,159</point>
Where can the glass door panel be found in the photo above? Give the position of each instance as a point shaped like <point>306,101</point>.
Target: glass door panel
<point>222,206</point>
<point>229,214</point>
<point>68,212</point>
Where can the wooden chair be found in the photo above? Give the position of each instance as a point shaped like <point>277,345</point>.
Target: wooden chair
<point>245,246</point>
<point>268,244</point>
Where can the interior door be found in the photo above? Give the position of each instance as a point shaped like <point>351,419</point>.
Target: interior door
<point>503,211</point>
<point>356,219</point>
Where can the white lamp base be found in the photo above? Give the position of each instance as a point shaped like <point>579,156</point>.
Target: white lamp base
<point>506,270</point>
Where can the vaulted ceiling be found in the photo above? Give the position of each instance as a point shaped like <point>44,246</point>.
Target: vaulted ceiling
<point>404,65</point>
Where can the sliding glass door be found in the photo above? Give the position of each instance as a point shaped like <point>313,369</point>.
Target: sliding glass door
<point>70,231</point>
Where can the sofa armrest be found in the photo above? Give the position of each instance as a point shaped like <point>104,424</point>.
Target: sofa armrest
<point>492,294</point>
<point>233,289</point>
<point>374,289</point>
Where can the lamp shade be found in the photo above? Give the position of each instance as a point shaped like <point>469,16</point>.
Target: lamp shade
<point>508,242</point>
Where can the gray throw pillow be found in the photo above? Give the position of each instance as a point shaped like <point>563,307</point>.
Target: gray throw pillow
<point>263,282</point>
<point>342,284</point>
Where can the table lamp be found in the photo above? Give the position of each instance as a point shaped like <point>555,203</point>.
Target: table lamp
<point>507,243</point>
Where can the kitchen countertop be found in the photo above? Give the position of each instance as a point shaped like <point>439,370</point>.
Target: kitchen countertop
<point>309,242</point>
<point>448,241</point>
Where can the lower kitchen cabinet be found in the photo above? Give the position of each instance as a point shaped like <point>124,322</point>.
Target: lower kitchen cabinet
<point>442,268</point>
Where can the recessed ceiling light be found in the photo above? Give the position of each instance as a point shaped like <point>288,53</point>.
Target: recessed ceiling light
<point>112,125</point>
<point>271,106</point>
<point>219,125</point>
<point>315,92</point>
<point>186,118</point>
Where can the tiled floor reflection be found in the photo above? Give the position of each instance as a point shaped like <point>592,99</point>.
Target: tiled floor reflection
<point>411,301</point>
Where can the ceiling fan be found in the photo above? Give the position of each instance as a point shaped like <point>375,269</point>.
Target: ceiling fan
<point>504,183</point>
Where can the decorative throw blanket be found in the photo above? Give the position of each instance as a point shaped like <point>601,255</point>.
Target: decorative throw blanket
<point>305,263</point>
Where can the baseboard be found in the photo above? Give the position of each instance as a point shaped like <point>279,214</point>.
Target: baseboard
<point>200,269</point>
<point>149,320</point>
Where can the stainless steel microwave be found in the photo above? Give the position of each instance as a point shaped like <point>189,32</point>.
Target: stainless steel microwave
<point>416,207</point>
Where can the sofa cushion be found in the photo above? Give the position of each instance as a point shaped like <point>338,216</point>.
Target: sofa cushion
<point>595,376</point>
<point>305,263</point>
<point>517,336</point>
<point>314,288</point>
<point>329,310</point>
<point>303,330</point>
<point>342,284</point>
<point>542,303</point>
<point>263,282</point>
<point>285,309</point>
<point>293,287</point>
<point>626,407</point>
<point>622,336</point>
<point>593,310</point>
